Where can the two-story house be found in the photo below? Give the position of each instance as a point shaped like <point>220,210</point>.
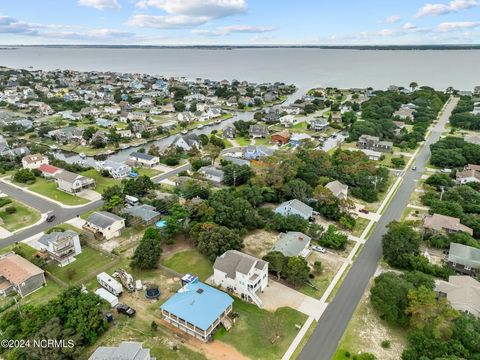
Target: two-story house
<point>34,161</point>
<point>241,273</point>
<point>373,143</point>
<point>61,246</point>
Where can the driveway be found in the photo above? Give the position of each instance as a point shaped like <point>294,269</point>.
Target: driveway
<point>277,295</point>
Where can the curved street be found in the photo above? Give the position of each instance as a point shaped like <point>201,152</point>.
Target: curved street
<point>323,343</point>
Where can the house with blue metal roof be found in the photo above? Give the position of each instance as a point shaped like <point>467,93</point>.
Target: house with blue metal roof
<point>197,309</point>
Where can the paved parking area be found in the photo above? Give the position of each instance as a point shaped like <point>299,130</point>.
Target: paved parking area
<point>277,295</point>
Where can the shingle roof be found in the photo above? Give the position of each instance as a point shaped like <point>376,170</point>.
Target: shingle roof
<point>55,236</point>
<point>103,219</point>
<point>142,156</point>
<point>127,350</point>
<point>144,211</point>
<point>440,222</point>
<point>299,206</point>
<point>198,303</point>
<point>463,292</point>
<point>232,261</point>
<point>291,243</point>
<point>16,269</point>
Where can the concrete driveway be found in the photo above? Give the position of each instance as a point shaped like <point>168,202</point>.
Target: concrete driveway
<point>277,295</point>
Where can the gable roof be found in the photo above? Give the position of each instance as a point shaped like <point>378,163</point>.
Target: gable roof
<point>462,291</point>
<point>103,219</point>
<point>232,261</point>
<point>336,187</point>
<point>297,205</point>
<point>55,236</point>
<point>16,269</point>
<point>33,158</point>
<point>142,156</point>
<point>440,222</point>
<point>143,211</point>
<point>127,350</point>
<point>198,303</point>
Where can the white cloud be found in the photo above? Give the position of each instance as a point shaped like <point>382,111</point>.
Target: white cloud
<point>392,19</point>
<point>100,4</point>
<point>166,22</point>
<point>227,30</point>
<point>185,13</point>
<point>442,9</point>
<point>408,26</point>
<point>9,25</point>
<point>461,25</point>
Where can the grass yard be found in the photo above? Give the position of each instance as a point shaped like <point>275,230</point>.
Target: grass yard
<point>365,333</point>
<point>86,263</point>
<point>307,335</point>
<point>44,294</point>
<point>102,182</point>
<point>20,249</point>
<point>260,334</point>
<point>49,189</point>
<point>320,282</point>
<point>360,225</point>
<point>147,171</point>
<point>263,141</point>
<point>242,141</point>
<point>190,261</point>
<point>24,216</point>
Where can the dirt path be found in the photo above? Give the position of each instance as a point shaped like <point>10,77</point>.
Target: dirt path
<point>218,350</point>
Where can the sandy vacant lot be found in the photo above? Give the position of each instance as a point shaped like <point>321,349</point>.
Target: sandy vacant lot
<point>259,242</point>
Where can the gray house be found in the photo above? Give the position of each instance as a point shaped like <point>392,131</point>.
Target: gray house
<point>464,259</point>
<point>127,350</point>
<point>73,183</point>
<point>229,132</point>
<point>292,243</point>
<point>212,174</point>
<point>147,213</point>
<point>258,131</point>
<point>295,207</point>
<point>373,143</point>
<point>20,275</point>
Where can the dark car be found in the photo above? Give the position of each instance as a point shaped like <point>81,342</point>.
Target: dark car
<point>50,216</point>
<point>365,211</point>
<point>126,310</point>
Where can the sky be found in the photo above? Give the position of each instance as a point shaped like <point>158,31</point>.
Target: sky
<point>239,22</point>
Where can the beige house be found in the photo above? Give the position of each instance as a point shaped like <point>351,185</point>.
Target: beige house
<point>339,190</point>
<point>104,224</point>
<point>462,291</point>
<point>34,161</point>
<point>73,183</point>
<point>444,224</point>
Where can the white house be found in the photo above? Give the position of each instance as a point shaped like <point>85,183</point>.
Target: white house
<point>104,224</point>
<point>295,207</point>
<point>212,173</point>
<point>338,189</point>
<point>243,274</point>
<point>143,159</point>
<point>34,161</point>
<point>61,246</point>
<point>117,170</point>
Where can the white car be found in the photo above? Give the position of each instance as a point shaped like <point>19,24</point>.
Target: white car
<point>320,249</point>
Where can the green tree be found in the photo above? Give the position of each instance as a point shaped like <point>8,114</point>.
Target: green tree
<point>399,244</point>
<point>24,176</point>
<point>297,270</point>
<point>277,262</point>
<point>218,239</point>
<point>333,239</point>
<point>148,251</point>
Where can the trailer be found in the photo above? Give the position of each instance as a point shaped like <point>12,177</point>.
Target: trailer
<point>125,278</point>
<point>110,283</point>
<point>107,296</point>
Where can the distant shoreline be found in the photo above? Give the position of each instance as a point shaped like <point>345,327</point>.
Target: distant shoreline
<point>233,47</point>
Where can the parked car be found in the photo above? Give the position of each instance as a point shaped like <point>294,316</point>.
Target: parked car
<point>365,211</point>
<point>126,310</point>
<point>320,249</point>
<point>414,168</point>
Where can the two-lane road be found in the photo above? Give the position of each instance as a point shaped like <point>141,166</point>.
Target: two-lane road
<point>331,326</point>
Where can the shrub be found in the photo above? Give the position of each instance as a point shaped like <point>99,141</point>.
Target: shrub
<point>11,209</point>
<point>385,344</point>
<point>4,201</point>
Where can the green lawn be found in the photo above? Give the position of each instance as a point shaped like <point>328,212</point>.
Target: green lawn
<point>190,261</point>
<point>360,225</point>
<point>147,171</point>
<point>260,334</point>
<point>242,141</point>
<point>102,182</point>
<point>20,249</point>
<point>307,335</point>
<point>24,216</point>
<point>49,189</point>
<point>43,295</point>
<point>86,263</point>
<point>320,282</point>
<point>262,141</point>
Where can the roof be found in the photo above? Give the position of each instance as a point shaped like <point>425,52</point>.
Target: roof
<point>142,156</point>
<point>33,158</point>
<point>336,187</point>
<point>144,211</point>
<point>198,303</point>
<point>211,170</point>
<point>462,291</point>
<point>464,255</point>
<point>232,261</point>
<point>48,169</point>
<point>472,167</point>
<point>103,219</point>
<point>291,243</point>
<point>69,176</point>
<point>55,236</point>
<point>16,269</point>
<point>299,206</point>
<point>127,350</point>
<point>441,222</point>
<point>468,174</point>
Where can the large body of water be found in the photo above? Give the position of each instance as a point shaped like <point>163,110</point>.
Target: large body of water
<point>303,67</point>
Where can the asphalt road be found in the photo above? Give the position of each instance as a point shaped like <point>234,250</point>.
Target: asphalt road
<point>331,326</point>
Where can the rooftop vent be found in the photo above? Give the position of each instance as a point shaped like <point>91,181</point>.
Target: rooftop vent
<point>199,291</point>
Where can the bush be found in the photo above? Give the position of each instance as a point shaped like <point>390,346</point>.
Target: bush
<point>385,344</point>
<point>4,201</point>
<point>11,209</point>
